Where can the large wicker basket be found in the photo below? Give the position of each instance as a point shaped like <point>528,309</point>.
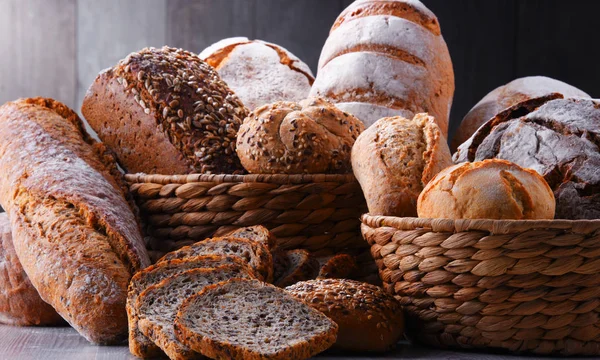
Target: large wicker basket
<point>316,212</point>
<point>523,286</point>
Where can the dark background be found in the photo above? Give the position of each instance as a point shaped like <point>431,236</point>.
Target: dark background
<point>55,48</point>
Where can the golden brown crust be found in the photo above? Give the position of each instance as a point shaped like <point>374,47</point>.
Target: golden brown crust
<point>20,303</point>
<point>489,189</point>
<point>369,319</point>
<point>73,230</point>
<point>310,137</point>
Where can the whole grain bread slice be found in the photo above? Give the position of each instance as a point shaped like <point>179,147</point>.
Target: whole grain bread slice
<point>256,254</point>
<point>257,233</point>
<point>139,344</point>
<point>302,266</point>
<point>249,319</point>
<point>159,303</point>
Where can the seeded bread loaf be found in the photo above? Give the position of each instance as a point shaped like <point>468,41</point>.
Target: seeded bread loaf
<point>387,58</point>
<point>395,158</point>
<point>338,266</point>
<point>301,266</point>
<point>369,319</point>
<point>508,95</point>
<point>312,136</point>
<point>231,320</point>
<point>166,111</point>
<point>489,189</point>
<point>559,140</point>
<point>254,253</point>
<point>159,303</point>
<point>73,229</point>
<point>20,303</point>
<point>257,233</point>
<point>259,72</point>
<point>140,345</point>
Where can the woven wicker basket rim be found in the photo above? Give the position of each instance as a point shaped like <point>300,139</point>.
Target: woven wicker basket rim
<point>489,225</point>
<point>281,179</point>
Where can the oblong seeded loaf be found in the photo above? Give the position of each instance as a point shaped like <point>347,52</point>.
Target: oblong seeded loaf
<point>73,229</point>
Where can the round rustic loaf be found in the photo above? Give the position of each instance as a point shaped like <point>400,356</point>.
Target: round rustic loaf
<point>309,137</point>
<point>395,158</point>
<point>385,58</point>
<point>509,95</point>
<point>558,138</point>
<point>166,111</point>
<point>369,319</point>
<point>259,72</point>
<point>489,189</point>
<point>20,303</point>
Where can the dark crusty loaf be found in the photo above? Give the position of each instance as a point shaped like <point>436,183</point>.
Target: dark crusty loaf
<point>256,233</point>
<point>339,266</point>
<point>159,303</point>
<point>166,111</point>
<point>20,303</point>
<point>248,319</point>
<point>560,140</point>
<point>506,96</point>
<point>140,345</point>
<point>369,319</point>
<point>73,229</point>
<point>301,266</point>
<point>254,253</point>
<point>312,137</point>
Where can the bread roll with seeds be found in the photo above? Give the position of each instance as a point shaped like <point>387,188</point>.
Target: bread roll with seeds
<point>387,58</point>
<point>166,111</point>
<point>259,72</point>
<point>309,137</point>
<point>395,158</point>
<point>369,319</point>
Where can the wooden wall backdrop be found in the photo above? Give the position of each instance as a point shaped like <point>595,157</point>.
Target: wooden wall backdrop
<point>55,48</point>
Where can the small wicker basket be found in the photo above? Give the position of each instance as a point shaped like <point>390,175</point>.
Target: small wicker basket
<point>319,213</point>
<point>522,286</point>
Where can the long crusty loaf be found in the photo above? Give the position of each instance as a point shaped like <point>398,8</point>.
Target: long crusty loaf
<point>140,345</point>
<point>251,320</point>
<point>20,303</point>
<point>159,303</point>
<point>73,229</point>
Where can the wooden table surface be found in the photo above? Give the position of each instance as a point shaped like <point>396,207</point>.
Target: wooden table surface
<point>18,343</point>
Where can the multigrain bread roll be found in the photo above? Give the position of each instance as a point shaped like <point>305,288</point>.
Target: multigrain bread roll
<point>558,138</point>
<point>166,111</point>
<point>369,319</point>
<point>259,72</point>
<point>20,303</point>
<point>508,95</point>
<point>310,137</point>
<point>395,158</point>
<point>489,189</point>
<point>385,58</point>
<point>73,229</point>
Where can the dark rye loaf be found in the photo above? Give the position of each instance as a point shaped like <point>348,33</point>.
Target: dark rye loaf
<point>560,139</point>
<point>73,230</point>
<point>166,111</point>
<point>248,319</point>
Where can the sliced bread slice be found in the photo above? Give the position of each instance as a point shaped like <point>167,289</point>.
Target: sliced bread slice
<point>339,266</point>
<point>140,345</point>
<point>158,305</point>
<point>249,319</point>
<point>302,266</point>
<point>257,233</point>
<point>281,263</point>
<point>254,253</point>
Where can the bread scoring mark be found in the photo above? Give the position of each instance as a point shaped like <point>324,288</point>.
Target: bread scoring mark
<point>519,194</point>
<point>382,49</point>
<point>285,59</point>
<point>371,96</point>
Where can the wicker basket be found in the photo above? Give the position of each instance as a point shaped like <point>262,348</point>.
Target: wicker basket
<point>523,286</point>
<point>315,212</point>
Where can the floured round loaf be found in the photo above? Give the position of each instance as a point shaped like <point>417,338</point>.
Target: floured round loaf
<point>509,95</point>
<point>388,55</point>
<point>259,72</point>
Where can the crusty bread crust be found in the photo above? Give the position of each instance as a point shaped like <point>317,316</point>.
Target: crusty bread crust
<point>20,303</point>
<point>73,229</point>
<point>338,266</point>
<point>302,266</point>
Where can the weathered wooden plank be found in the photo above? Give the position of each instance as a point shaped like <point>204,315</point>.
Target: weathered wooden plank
<point>193,25</point>
<point>108,30</point>
<point>38,38</point>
